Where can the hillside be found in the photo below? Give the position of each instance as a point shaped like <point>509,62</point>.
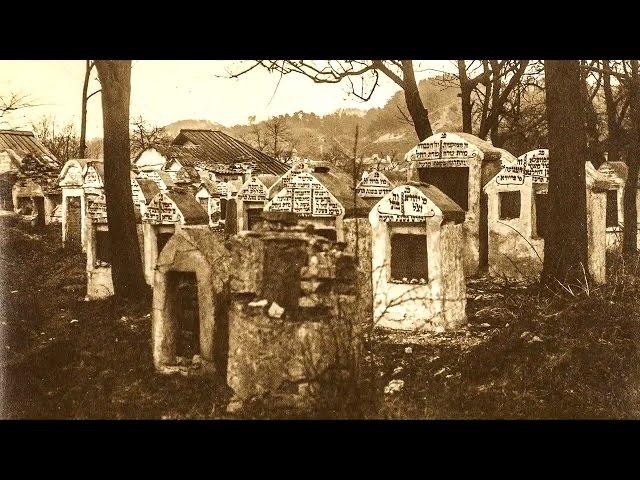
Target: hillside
<point>383,131</point>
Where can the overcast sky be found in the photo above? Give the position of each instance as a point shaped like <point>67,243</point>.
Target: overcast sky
<point>166,91</point>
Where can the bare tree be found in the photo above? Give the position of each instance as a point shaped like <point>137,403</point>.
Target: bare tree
<point>12,102</point>
<point>363,78</point>
<point>145,136</point>
<point>485,88</point>
<point>126,267</point>
<point>278,134</point>
<point>565,248</point>
<point>61,141</point>
<point>85,99</point>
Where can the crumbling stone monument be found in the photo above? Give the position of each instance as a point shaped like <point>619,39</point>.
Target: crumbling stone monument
<point>276,310</point>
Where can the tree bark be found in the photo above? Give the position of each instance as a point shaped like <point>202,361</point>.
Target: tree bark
<point>419,114</point>
<point>565,249</point>
<point>630,235</point>
<point>126,266</point>
<point>613,152</point>
<point>465,98</point>
<point>83,120</point>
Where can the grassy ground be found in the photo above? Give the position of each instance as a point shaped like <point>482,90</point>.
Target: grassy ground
<point>525,354</point>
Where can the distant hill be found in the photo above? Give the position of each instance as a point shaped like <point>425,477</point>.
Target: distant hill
<point>383,131</point>
<point>173,129</point>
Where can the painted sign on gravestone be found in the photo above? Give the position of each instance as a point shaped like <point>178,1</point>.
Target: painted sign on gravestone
<point>92,179</point>
<point>97,208</point>
<point>253,191</point>
<point>443,150</point>
<point>374,185</point>
<point>534,164</point>
<point>161,210</point>
<point>307,197</point>
<point>405,204</point>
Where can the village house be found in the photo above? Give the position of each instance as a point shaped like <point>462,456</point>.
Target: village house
<point>166,213</point>
<point>518,219</point>
<point>207,153</point>
<point>28,177</point>
<point>460,164</point>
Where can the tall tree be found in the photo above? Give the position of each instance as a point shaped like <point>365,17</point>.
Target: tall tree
<point>126,266</point>
<point>630,236</point>
<point>565,249</point>
<point>363,78</point>
<point>89,64</point>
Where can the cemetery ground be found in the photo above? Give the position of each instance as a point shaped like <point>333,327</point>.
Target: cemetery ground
<point>524,354</point>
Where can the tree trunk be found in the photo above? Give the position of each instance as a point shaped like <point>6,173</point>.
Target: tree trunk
<point>126,266</point>
<point>83,120</point>
<point>613,151</point>
<point>565,249</point>
<point>419,114</point>
<point>630,235</point>
<point>465,97</point>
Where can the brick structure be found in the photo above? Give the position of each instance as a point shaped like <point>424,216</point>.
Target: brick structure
<point>277,311</point>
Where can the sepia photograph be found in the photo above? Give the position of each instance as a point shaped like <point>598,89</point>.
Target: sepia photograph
<point>319,239</point>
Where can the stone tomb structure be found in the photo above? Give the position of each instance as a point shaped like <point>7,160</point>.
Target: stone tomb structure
<point>617,173</point>
<point>271,310</point>
<point>71,181</point>
<point>460,164</point>
<point>251,198</point>
<point>517,217</point>
<point>416,259</point>
<point>208,196</point>
<point>320,195</point>
<point>167,212</point>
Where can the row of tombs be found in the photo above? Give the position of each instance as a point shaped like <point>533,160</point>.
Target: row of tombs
<point>462,207</point>
<point>240,263</point>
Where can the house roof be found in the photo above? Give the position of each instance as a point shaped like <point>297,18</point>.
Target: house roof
<point>216,147</point>
<point>191,210</point>
<point>23,142</point>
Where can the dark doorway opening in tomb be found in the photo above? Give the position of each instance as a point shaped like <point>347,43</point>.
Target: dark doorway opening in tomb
<point>25,206</point>
<point>509,205</point>
<point>328,233</point>
<point>73,223</point>
<point>6,197</point>
<point>38,203</point>
<point>103,246</point>
<point>162,240</point>
<point>409,259</point>
<point>612,208</point>
<point>542,214</point>
<point>186,313</point>
<point>253,217</point>
<point>453,181</point>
